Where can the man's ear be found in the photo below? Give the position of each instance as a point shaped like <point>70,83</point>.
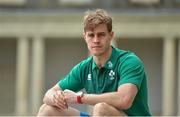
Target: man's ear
<point>112,35</point>
<point>84,35</point>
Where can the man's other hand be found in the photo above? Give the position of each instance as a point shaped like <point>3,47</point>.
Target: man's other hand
<point>70,96</point>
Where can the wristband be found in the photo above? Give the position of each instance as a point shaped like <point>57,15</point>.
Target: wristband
<point>79,96</point>
<point>79,99</point>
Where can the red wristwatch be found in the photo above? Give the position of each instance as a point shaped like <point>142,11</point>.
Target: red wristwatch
<point>79,96</point>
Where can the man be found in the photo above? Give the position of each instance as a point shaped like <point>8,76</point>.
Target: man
<point>115,80</point>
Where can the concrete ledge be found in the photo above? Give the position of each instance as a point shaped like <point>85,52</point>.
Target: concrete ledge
<point>70,25</point>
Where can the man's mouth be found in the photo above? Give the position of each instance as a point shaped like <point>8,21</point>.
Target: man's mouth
<point>96,47</point>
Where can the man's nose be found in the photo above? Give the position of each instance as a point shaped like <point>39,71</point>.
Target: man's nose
<point>96,39</point>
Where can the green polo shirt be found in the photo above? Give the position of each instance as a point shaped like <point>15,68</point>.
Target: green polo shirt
<point>122,67</point>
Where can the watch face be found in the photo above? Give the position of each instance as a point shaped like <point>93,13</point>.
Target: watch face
<point>80,93</point>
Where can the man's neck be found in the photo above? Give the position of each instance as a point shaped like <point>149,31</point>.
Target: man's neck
<point>101,60</point>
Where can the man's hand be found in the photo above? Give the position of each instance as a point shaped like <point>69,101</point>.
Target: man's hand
<point>58,100</point>
<point>70,96</point>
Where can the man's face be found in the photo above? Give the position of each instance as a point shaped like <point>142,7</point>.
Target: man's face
<point>98,40</point>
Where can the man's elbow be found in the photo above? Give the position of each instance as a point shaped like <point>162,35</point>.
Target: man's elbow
<point>126,104</point>
<point>44,100</point>
<point>46,97</point>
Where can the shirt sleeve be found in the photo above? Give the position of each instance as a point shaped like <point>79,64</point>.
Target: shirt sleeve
<point>72,81</point>
<point>131,71</point>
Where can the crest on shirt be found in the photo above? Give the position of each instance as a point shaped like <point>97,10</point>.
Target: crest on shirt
<point>111,75</point>
<point>110,65</point>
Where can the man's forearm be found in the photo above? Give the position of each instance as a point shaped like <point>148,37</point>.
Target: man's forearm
<point>114,99</point>
<point>122,99</point>
<point>93,99</point>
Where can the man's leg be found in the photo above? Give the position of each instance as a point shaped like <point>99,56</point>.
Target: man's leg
<point>103,109</point>
<point>46,110</point>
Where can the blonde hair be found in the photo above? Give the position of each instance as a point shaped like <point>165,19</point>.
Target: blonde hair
<point>93,18</point>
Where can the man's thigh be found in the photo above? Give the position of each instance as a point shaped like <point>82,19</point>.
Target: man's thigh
<point>54,111</point>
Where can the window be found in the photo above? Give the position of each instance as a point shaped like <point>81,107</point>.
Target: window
<point>76,2</point>
<point>146,2</point>
<point>12,2</point>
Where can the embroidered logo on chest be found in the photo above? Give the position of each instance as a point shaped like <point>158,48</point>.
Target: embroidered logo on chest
<point>110,65</point>
<point>111,75</point>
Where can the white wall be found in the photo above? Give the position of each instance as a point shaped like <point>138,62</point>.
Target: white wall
<point>7,75</point>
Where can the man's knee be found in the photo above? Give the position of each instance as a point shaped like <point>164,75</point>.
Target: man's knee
<point>46,110</point>
<point>104,109</point>
<point>100,109</point>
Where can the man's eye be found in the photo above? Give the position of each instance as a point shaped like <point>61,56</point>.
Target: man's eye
<point>91,35</point>
<point>102,34</point>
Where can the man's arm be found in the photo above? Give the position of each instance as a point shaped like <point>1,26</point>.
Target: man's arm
<point>121,99</point>
<point>55,97</point>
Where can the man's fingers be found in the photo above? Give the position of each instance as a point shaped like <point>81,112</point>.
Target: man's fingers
<point>61,97</point>
<point>59,104</point>
<point>59,101</point>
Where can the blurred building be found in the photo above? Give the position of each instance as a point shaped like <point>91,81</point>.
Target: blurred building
<point>41,40</point>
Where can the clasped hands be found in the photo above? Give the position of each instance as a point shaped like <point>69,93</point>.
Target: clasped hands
<point>61,99</point>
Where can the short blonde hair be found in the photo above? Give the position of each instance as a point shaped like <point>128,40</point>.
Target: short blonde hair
<point>93,18</point>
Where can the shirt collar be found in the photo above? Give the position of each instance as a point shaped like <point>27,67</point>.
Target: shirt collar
<point>111,61</point>
<point>93,64</point>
